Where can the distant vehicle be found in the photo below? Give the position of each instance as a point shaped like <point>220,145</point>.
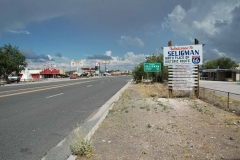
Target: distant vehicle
<point>73,76</point>
<point>14,78</point>
<point>84,75</point>
<point>106,74</point>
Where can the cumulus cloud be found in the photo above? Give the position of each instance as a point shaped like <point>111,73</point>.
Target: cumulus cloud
<point>99,56</point>
<point>108,53</point>
<point>127,40</point>
<point>214,23</point>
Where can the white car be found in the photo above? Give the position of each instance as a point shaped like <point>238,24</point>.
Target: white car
<point>14,78</point>
<point>106,74</point>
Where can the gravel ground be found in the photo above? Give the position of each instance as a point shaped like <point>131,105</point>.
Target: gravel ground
<point>142,125</point>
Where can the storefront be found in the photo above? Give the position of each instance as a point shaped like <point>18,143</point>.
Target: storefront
<point>220,74</point>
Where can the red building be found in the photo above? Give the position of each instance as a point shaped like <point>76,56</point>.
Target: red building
<point>50,73</point>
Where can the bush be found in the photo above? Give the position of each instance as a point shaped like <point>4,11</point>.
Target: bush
<point>138,72</point>
<point>80,146</point>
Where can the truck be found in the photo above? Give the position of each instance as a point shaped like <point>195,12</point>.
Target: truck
<point>13,78</point>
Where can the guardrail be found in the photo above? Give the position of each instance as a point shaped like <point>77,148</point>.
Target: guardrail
<point>222,99</point>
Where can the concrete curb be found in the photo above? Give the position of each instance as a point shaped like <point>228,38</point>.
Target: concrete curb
<point>101,115</point>
<point>62,151</point>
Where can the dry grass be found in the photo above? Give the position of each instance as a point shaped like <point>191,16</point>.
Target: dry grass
<point>160,90</point>
<point>220,101</point>
<point>143,126</point>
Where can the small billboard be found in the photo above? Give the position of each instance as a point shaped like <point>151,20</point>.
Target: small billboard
<point>105,62</point>
<point>76,63</point>
<point>183,55</point>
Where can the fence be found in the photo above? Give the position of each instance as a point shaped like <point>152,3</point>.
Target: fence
<point>222,99</point>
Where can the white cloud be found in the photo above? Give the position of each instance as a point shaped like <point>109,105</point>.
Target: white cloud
<point>214,23</point>
<point>19,32</point>
<point>108,53</point>
<point>127,40</point>
<point>128,62</point>
<point>213,54</point>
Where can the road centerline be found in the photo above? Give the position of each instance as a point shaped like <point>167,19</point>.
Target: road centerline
<point>55,95</point>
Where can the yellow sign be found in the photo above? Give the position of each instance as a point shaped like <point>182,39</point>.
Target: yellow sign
<point>76,63</point>
<point>105,62</point>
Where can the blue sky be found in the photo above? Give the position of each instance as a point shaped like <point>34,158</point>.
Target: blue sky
<point>122,31</point>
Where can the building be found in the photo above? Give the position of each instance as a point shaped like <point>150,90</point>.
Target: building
<point>50,73</point>
<point>220,74</point>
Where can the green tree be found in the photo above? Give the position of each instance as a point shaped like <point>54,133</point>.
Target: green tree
<point>222,63</point>
<point>138,71</point>
<point>11,60</point>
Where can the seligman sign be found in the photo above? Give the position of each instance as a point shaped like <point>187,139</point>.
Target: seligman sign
<point>183,55</point>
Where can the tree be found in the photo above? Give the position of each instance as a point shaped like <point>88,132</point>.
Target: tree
<point>11,60</point>
<point>222,63</point>
<point>138,71</point>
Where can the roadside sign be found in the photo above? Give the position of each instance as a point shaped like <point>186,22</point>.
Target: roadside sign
<point>76,63</point>
<point>183,55</point>
<point>105,62</point>
<point>152,67</point>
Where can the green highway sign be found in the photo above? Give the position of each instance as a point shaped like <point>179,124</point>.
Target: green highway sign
<point>152,67</point>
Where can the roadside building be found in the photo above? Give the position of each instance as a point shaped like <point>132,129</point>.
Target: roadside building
<point>50,73</point>
<point>220,74</point>
<point>35,74</point>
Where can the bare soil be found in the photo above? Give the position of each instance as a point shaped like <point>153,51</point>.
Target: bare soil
<point>144,126</point>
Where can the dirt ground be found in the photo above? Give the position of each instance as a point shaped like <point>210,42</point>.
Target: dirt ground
<point>145,125</point>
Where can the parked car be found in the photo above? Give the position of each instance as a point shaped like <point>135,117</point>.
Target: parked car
<point>106,74</point>
<point>14,78</point>
<point>84,75</point>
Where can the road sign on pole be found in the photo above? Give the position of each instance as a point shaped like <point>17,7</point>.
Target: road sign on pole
<point>152,67</point>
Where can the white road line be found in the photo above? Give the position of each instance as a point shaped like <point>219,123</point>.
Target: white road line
<point>89,85</point>
<point>54,95</point>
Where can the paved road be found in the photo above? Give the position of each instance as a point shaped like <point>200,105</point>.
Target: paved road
<point>232,87</point>
<point>34,118</point>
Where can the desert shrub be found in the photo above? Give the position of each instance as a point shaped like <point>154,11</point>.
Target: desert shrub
<point>80,146</point>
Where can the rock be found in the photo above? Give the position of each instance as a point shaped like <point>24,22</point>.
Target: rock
<point>231,138</point>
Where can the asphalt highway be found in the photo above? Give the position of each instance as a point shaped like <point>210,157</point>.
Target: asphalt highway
<point>35,117</point>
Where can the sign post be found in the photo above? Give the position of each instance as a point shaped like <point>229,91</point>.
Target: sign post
<point>152,67</point>
<point>183,66</point>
